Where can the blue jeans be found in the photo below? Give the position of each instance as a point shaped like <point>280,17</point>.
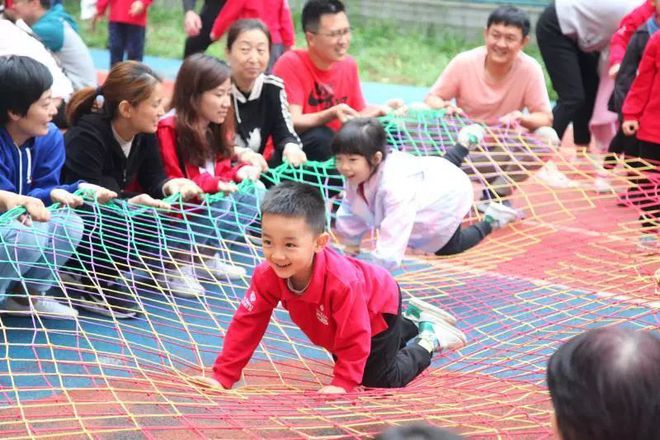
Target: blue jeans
<point>125,38</point>
<point>32,254</point>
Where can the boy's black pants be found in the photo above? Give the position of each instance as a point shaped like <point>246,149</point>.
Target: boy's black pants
<point>392,362</point>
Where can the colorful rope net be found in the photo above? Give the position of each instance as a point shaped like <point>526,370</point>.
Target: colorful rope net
<point>574,262</point>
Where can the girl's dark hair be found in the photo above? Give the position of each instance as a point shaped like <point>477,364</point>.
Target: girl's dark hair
<point>245,25</point>
<point>23,81</point>
<point>605,385</point>
<point>200,73</point>
<point>362,136</point>
<point>128,81</point>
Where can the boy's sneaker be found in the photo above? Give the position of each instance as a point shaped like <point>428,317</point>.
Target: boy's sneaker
<point>42,306</point>
<point>219,269</point>
<point>499,215</point>
<point>437,335</point>
<point>109,299</point>
<point>418,306</point>
<point>471,136</point>
<point>182,283</point>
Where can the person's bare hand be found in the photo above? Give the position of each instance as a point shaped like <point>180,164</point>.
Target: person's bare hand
<point>294,155</point>
<point>344,112</point>
<point>147,200</point>
<point>630,127</point>
<point>137,8</point>
<point>64,197</point>
<point>192,24</point>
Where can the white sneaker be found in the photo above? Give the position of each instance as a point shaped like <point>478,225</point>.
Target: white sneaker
<point>182,282</point>
<point>40,306</point>
<point>442,335</point>
<point>471,135</point>
<point>551,176</point>
<point>417,307</point>
<point>499,215</point>
<point>220,269</point>
<point>602,185</point>
<point>548,135</point>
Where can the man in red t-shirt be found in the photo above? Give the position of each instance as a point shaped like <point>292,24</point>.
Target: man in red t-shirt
<point>322,82</point>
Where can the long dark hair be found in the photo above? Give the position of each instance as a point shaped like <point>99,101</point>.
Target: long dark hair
<point>198,74</point>
<point>128,81</point>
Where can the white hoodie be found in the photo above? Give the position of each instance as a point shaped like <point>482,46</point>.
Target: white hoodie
<point>413,201</point>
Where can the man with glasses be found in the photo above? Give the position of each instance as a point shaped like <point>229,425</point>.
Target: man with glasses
<point>322,82</point>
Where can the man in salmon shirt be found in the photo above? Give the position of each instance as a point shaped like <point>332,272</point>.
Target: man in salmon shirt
<point>349,307</point>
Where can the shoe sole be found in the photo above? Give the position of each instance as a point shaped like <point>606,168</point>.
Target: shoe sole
<point>432,310</point>
<point>456,332</point>
<point>90,304</point>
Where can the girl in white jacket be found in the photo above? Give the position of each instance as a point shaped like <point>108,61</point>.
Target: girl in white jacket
<point>413,201</point>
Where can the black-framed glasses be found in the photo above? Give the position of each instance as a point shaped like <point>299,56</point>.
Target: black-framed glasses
<point>335,35</point>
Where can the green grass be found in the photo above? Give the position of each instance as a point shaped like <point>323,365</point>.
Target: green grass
<point>386,52</point>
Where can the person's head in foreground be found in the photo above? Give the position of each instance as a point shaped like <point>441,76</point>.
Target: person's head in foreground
<point>506,34</point>
<point>359,148</point>
<point>293,230</point>
<point>605,385</point>
<point>26,104</point>
<point>327,30</point>
<point>417,431</point>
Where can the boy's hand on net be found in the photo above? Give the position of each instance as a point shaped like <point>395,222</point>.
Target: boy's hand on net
<point>332,389</point>
<point>137,8</point>
<point>630,127</point>
<point>294,154</point>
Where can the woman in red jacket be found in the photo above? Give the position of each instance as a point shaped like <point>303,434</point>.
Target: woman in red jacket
<point>196,141</point>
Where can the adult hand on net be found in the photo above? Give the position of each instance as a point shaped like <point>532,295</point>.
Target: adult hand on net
<point>226,187</point>
<point>192,24</point>
<point>294,154</point>
<point>36,210</point>
<point>344,112</point>
<point>102,195</point>
<point>251,157</point>
<point>186,187</point>
<point>332,389</point>
<point>147,200</point>
<point>512,118</point>
<point>630,127</point>
<point>248,172</point>
<point>64,197</point>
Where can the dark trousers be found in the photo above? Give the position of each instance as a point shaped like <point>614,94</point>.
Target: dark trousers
<point>202,41</point>
<point>647,193</point>
<point>463,239</point>
<point>574,76</point>
<point>393,363</point>
<point>126,39</point>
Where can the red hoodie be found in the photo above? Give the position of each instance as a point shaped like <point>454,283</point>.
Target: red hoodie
<point>341,310</point>
<point>643,101</point>
<point>274,13</point>
<point>224,170</point>
<point>119,11</point>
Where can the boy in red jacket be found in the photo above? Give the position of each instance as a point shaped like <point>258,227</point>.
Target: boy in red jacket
<point>126,28</point>
<point>349,307</point>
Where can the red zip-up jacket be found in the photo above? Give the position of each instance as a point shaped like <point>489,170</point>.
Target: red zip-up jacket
<point>341,310</point>
<point>627,28</point>
<point>274,13</point>
<point>119,11</point>
<point>643,101</point>
<point>225,171</point>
